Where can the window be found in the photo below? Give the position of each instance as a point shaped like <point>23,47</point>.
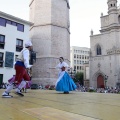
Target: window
<point>80,67</point>
<point>2,41</point>
<point>14,23</point>
<point>74,67</point>
<point>2,22</point>
<point>119,19</point>
<point>19,45</point>
<point>74,55</point>
<point>74,61</point>
<point>98,50</point>
<point>1,59</point>
<point>8,22</point>
<point>77,56</point>
<point>20,27</point>
<point>82,56</point>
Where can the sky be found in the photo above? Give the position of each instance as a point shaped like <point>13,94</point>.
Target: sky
<point>84,17</point>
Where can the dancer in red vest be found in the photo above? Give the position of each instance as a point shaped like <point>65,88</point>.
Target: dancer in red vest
<point>21,67</point>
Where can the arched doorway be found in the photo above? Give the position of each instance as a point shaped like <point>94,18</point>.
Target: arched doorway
<point>100,82</point>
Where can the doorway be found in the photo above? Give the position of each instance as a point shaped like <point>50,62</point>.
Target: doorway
<point>100,82</point>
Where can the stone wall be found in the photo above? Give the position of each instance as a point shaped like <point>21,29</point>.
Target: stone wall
<point>50,36</point>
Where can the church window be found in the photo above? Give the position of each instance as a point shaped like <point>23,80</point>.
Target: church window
<point>119,19</point>
<point>98,50</point>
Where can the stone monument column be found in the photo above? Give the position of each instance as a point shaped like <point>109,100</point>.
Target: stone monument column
<point>50,36</point>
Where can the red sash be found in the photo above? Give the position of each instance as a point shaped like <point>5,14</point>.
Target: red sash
<point>63,68</point>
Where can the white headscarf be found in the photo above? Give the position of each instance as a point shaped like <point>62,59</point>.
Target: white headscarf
<point>28,43</point>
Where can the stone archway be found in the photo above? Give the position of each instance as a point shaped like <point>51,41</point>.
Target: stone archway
<point>100,82</point>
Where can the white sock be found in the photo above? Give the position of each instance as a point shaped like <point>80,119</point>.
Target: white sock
<point>22,84</point>
<point>9,88</point>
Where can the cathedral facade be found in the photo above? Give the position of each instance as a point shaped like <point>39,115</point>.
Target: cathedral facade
<point>105,50</point>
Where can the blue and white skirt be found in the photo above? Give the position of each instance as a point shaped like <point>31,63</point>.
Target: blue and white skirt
<point>65,83</point>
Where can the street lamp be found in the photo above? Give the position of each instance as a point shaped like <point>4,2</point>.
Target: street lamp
<point>72,72</point>
<point>106,78</point>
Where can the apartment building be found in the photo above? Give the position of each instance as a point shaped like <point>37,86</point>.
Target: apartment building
<point>13,33</point>
<point>78,57</point>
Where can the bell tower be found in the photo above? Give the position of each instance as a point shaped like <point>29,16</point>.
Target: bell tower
<point>112,11</point>
<point>112,6</point>
<point>50,35</point>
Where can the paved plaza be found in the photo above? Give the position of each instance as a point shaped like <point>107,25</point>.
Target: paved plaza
<point>51,105</point>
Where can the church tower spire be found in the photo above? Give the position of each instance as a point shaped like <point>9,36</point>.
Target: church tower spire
<point>110,21</point>
<point>112,12</point>
<point>112,6</point>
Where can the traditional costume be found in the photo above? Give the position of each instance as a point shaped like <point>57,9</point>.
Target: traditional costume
<point>27,86</point>
<point>21,65</point>
<point>64,83</point>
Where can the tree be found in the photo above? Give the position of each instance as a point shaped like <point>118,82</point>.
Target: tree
<point>79,78</point>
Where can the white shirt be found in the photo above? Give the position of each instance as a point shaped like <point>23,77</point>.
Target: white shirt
<point>24,56</point>
<point>63,64</point>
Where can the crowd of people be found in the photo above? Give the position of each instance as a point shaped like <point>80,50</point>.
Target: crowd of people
<point>81,88</point>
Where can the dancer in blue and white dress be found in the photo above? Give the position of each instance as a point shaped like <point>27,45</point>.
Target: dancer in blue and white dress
<point>64,83</point>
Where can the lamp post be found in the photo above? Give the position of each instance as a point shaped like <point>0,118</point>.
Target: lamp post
<point>106,78</point>
<point>72,72</point>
